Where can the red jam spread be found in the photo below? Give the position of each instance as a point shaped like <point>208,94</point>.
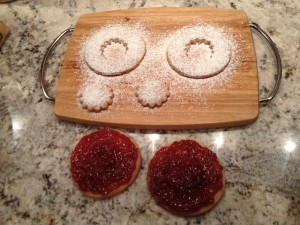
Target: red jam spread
<point>103,161</point>
<point>185,176</point>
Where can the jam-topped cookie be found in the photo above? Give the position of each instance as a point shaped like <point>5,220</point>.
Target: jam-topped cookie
<point>186,178</point>
<point>105,163</point>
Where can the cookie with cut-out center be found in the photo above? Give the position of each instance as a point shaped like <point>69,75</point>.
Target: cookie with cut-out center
<point>200,51</point>
<point>114,49</point>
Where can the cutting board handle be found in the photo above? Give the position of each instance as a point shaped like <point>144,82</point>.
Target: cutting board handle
<point>256,27</point>
<point>43,67</point>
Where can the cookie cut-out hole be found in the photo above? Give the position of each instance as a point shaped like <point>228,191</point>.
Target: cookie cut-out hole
<point>114,48</point>
<point>197,47</point>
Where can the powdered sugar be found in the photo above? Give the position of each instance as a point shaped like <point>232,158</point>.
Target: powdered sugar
<point>155,66</point>
<point>95,96</point>
<point>153,93</point>
<point>199,51</point>
<point>114,50</point>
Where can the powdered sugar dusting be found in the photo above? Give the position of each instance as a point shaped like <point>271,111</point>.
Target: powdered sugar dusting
<point>95,96</point>
<point>153,93</point>
<point>199,51</point>
<point>114,50</point>
<point>155,66</point>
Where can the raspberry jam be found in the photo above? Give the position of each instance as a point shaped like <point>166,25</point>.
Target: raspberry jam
<point>184,177</point>
<point>103,161</point>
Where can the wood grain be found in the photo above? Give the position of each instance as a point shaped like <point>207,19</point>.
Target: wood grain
<point>235,104</point>
<point>4,32</point>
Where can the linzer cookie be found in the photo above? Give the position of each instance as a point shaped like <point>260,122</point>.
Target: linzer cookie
<point>200,51</point>
<point>186,178</point>
<point>105,163</point>
<point>153,93</point>
<point>114,50</point>
<point>95,97</point>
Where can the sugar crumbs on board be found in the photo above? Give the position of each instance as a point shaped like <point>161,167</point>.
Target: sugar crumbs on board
<point>155,66</point>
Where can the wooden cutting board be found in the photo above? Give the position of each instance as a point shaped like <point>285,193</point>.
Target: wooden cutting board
<point>4,32</point>
<point>233,102</point>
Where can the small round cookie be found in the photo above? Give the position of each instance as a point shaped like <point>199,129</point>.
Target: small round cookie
<point>105,163</point>
<point>199,51</point>
<point>186,178</point>
<point>152,93</point>
<point>115,49</point>
<point>95,97</point>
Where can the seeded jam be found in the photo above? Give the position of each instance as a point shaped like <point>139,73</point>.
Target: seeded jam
<point>103,161</point>
<point>184,177</point>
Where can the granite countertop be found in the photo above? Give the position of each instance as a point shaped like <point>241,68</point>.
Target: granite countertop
<point>261,160</point>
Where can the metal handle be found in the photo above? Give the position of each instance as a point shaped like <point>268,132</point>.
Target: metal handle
<point>278,62</point>
<point>42,70</point>
<point>255,26</point>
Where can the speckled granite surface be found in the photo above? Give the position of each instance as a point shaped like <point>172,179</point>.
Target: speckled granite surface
<point>261,160</point>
